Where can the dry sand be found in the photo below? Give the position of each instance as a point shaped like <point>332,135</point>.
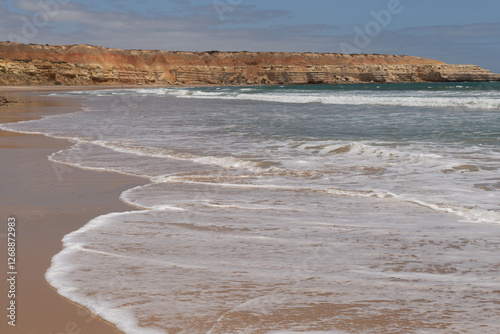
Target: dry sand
<point>48,201</point>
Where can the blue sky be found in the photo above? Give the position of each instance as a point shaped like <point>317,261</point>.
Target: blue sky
<point>455,31</point>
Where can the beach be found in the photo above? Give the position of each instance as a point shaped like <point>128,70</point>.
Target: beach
<point>48,202</point>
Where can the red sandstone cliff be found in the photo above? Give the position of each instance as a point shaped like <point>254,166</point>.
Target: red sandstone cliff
<point>22,64</point>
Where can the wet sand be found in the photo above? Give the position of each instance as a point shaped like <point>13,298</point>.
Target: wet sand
<point>48,201</point>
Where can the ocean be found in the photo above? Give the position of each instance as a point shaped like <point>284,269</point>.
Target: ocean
<point>288,209</point>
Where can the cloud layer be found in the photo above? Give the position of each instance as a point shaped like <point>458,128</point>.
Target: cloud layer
<point>185,25</point>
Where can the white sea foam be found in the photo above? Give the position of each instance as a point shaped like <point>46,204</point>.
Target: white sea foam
<point>417,99</point>
<point>225,162</point>
<point>121,316</point>
<point>442,99</point>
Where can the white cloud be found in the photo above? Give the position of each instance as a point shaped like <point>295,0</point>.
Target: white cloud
<point>198,28</point>
<point>460,44</point>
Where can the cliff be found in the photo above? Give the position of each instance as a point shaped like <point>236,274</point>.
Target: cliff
<point>22,64</point>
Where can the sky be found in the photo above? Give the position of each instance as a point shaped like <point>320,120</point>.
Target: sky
<point>454,31</point>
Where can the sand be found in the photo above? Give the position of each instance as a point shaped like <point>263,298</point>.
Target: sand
<point>48,202</point>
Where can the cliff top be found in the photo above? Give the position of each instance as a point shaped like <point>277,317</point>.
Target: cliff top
<point>88,54</point>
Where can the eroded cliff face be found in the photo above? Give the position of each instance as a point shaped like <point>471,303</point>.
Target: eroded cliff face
<point>22,64</point>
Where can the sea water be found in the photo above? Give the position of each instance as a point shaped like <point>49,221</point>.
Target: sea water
<point>302,209</point>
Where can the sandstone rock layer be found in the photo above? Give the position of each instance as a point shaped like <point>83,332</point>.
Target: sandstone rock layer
<point>22,64</point>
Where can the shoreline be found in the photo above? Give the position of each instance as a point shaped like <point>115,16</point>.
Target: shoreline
<point>41,89</point>
<point>48,201</point>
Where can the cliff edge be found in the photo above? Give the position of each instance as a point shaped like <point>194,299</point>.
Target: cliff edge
<point>22,64</point>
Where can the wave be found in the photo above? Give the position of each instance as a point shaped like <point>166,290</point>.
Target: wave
<point>409,155</point>
<point>450,98</point>
<point>407,101</point>
<point>86,155</point>
<point>220,161</point>
<point>12,128</point>
<point>467,214</point>
<point>484,100</point>
<point>370,165</point>
<point>63,262</point>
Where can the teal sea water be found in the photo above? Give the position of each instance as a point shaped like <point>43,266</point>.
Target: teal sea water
<point>297,209</point>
